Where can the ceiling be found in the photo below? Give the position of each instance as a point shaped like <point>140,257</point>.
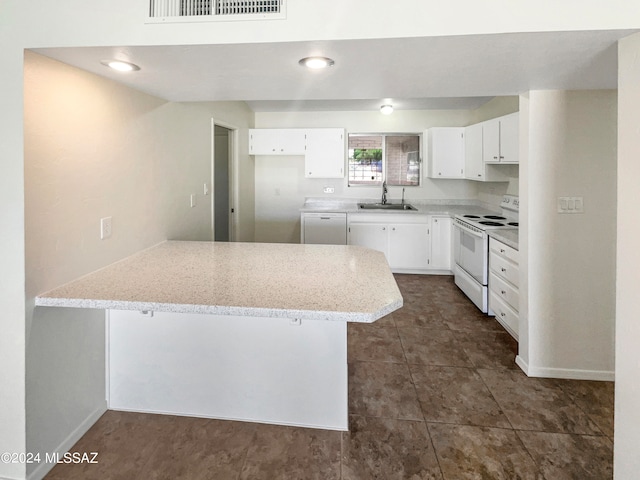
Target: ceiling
<point>460,72</point>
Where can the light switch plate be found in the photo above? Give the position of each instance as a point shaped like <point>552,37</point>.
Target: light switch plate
<point>570,205</point>
<point>105,228</point>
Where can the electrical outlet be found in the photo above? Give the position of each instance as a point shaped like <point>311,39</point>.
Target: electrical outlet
<point>105,228</point>
<point>329,190</point>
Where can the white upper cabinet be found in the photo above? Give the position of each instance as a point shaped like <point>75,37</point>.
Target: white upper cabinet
<point>500,139</point>
<point>474,165</point>
<point>277,141</point>
<point>473,161</point>
<point>445,152</point>
<point>323,148</point>
<point>324,156</point>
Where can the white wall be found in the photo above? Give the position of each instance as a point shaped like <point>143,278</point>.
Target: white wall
<point>569,260</point>
<point>94,148</point>
<point>12,279</point>
<point>238,116</point>
<point>627,421</point>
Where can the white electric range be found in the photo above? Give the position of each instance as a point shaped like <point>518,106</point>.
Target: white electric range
<point>471,248</point>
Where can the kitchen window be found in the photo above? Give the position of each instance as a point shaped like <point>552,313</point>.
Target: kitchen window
<point>375,158</point>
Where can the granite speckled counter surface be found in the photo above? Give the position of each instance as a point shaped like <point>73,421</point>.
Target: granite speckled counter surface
<point>315,282</point>
<point>506,236</point>
<point>445,207</point>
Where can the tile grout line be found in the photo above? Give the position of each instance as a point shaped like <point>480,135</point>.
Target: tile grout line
<point>426,425</point>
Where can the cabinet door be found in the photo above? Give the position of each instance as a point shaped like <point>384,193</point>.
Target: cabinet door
<point>292,141</point>
<point>408,246</point>
<point>324,156</point>
<point>509,138</point>
<point>491,141</point>
<point>446,152</point>
<point>263,142</point>
<point>370,235</point>
<point>474,163</point>
<point>440,243</point>
<point>276,141</point>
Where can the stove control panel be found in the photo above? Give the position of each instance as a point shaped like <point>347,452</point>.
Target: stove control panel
<point>510,202</point>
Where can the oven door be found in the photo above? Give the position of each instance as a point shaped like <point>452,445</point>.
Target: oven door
<point>470,250</point>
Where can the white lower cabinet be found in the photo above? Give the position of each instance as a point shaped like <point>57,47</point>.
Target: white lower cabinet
<point>370,235</point>
<point>504,297</point>
<point>412,243</point>
<point>440,248</point>
<point>408,245</point>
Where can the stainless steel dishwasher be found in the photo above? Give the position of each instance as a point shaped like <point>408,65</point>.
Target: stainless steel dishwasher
<point>324,228</point>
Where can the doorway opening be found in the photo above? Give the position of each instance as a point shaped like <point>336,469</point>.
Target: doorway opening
<point>222,172</point>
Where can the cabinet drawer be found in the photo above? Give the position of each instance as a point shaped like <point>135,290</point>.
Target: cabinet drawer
<point>504,290</point>
<point>503,268</point>
<point>504,250</point>
<point>507,317</point>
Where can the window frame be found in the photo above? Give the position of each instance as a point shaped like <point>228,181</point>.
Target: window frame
<point>384,172</point>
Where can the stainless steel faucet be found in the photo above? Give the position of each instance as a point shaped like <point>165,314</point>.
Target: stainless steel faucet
<point>384,193</point>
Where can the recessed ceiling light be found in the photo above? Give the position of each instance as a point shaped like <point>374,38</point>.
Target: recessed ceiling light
<point>316,62</point>
<point>386,109</point>
<point>120,66</point>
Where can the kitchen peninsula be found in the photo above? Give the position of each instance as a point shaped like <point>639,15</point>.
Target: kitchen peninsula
<point>242,331</point>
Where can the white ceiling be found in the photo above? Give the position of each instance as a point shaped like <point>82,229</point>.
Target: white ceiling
<point>412,73</point>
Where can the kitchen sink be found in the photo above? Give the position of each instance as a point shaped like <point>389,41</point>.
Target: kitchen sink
<point>386,206</point>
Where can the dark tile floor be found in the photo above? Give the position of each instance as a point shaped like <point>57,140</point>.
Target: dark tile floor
<point>434,393</point>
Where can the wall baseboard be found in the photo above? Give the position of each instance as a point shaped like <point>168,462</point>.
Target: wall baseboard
<point>564,373</point>
<point>43,468</point>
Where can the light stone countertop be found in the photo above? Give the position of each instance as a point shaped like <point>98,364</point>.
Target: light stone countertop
<point>445,207</point>
<point>506,236</point>
<point>315,282</point>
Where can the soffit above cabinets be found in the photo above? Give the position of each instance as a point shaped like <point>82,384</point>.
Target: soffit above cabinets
<point>460,72</point>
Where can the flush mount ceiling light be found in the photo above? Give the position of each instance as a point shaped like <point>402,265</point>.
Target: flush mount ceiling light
<point>386,109</point>
<point>316,63</point>
<point>120,66</point>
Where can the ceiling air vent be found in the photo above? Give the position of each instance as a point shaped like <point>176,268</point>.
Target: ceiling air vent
<point>165,11</point>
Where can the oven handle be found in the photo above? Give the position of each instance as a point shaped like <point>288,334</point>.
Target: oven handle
<point>470,229</point>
